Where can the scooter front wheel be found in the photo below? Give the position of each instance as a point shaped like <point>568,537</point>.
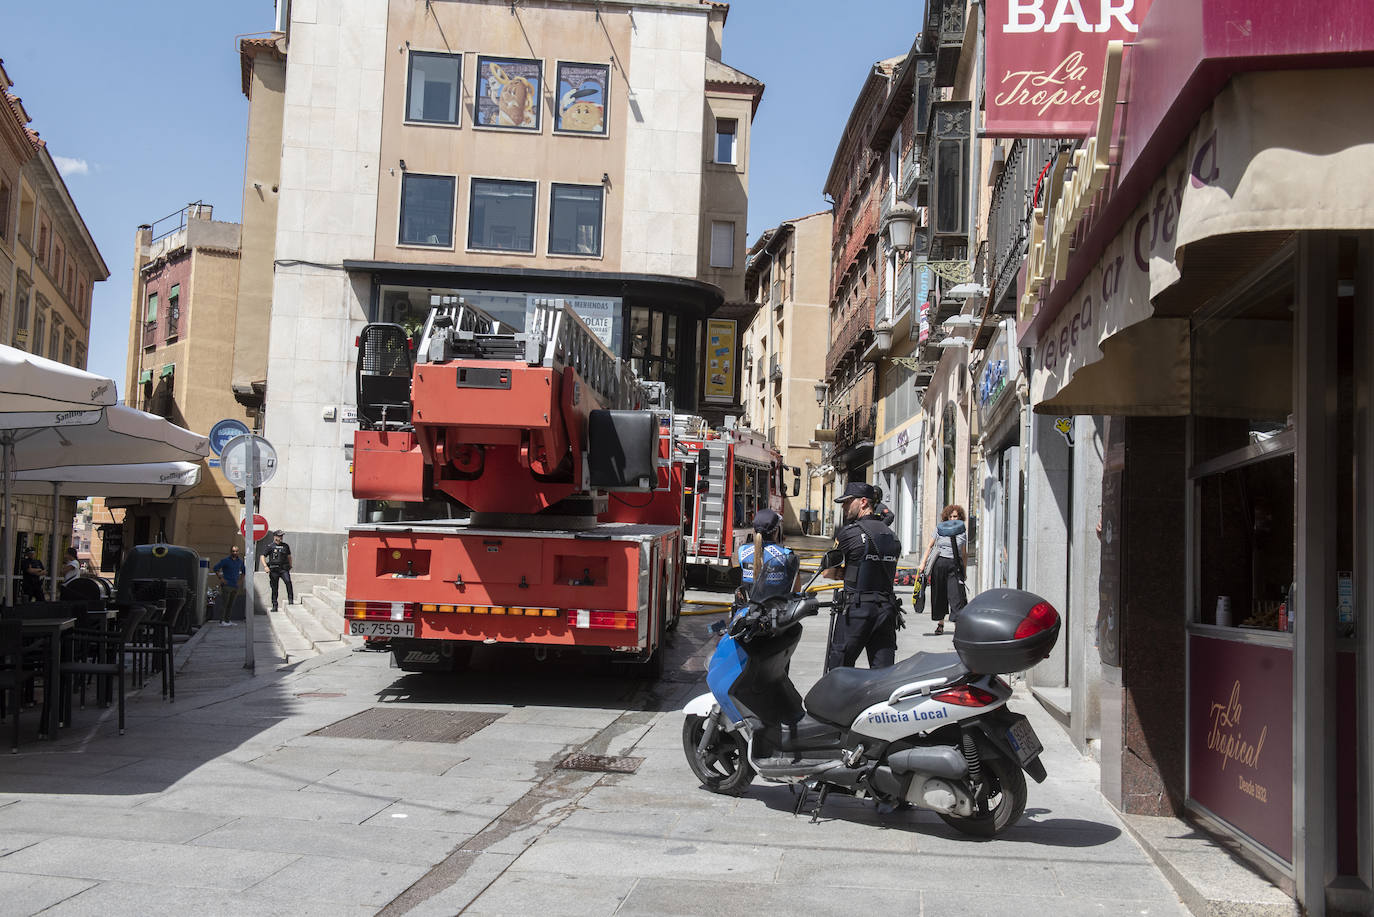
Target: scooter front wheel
<point>1006,800</point>
<point>723,766</point>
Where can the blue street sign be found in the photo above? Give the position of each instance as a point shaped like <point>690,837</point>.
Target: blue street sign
<point>225,430</point>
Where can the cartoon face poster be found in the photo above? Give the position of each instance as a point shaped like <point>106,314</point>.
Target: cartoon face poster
<point>582,91</point>
<point>508,92</point>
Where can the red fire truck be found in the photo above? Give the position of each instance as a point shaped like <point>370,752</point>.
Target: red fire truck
<point>730,475</point>
<point>554,508</point>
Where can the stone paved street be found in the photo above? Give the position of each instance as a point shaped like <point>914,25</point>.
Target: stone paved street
<point>224,803</point>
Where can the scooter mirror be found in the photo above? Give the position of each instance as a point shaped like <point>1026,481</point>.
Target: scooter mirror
<point>832,558</point>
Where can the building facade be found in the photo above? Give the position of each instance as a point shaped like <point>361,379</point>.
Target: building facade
<point>594,152</point>
<point>856,185</point>
<point>788,285</point>
<point>180,363</point>
<point>48,266</point>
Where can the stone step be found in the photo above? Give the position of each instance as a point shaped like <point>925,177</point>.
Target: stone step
<point>330,596</point>
<point>337,584</point>
<point>327,613</point>
<point>320,637</point>
<point>288,637</point>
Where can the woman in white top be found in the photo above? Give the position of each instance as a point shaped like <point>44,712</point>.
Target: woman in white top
<point>72,568</point>
<point>944,568</point>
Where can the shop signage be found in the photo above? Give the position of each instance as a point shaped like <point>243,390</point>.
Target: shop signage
<point>1244,169</point>
<point>903,440</point>
<point>1240,737</point>
<point>1046,60</point>
<point>720,361</point>
<point>1054,221</point>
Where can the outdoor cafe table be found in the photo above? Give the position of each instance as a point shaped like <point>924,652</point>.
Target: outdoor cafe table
<point>50,629</point>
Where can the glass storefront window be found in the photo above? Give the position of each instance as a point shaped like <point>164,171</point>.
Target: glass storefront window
<point>1242,367</point>
<point>1246,539</point>
<point>653,344</point>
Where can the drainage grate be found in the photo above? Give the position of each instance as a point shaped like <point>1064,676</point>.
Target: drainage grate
<point>605,764</point>
<point>409,725</point>
<point>320,694</point>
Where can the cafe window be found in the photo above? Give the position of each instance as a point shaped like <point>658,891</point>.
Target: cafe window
<point>427,210</point>
<point>654,344</point>
<point>432,87</point>
<point>501,215</point>
<point>1242,456</point>
<point>575,219</point>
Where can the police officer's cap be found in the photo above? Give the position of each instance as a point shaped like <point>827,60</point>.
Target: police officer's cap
<point>855,489</point>
<point>766,521</point>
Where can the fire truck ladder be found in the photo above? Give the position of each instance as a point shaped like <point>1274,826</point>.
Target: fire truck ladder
<point>555,337</point>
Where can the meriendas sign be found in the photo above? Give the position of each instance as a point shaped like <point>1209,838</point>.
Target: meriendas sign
<point>1044,62</point>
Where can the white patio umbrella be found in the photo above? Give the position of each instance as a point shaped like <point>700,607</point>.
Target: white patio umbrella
<point>119,436</point>
<point>37,394</point>
<point>150,481</point>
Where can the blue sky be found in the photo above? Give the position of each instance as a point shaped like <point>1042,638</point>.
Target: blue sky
<point>143,111</point>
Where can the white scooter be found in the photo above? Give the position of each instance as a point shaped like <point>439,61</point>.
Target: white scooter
<point>933,731</point>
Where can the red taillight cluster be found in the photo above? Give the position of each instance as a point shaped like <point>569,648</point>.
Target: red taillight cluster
<point>965,696</point>
<point>379,611</point>
<point>603,620</point>
<point>1040,618</point>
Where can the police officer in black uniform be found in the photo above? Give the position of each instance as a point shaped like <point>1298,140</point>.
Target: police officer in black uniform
<point>866,613</point>
<point>881,509</point>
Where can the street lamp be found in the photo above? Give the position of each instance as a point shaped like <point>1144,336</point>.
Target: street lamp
<point>956,341</point>
<point>821,389</point>
<point>961,322</point>
<point>882,337</point>
<point>899,225</point>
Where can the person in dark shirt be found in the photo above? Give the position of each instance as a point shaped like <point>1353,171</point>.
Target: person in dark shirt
<point>278,560</point>
<point>881,511</point>
<point>32,569</point>
<point>868,615</point>
<point>230,572</point>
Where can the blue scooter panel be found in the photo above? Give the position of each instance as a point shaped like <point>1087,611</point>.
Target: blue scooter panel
<point>722,671</point>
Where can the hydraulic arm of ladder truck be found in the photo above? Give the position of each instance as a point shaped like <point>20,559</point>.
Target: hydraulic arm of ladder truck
<point>518,440</point>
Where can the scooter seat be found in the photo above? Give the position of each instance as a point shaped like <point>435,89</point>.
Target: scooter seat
<point>842,694</point>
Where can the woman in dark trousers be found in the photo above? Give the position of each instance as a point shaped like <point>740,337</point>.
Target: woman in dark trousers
<point>944,566</point>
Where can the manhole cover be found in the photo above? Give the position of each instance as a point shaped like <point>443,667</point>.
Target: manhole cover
<point>605,764</point>
<point>409,725</point>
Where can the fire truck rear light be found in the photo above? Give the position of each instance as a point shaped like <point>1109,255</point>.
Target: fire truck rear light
<point>473,609</point>
<point>603,620</point>
<point>549,612</point>
<point>429,607</point>
<point>381,611</point>
<point>497,610</point>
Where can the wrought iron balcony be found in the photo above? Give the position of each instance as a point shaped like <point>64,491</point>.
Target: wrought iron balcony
<point>1013,199</point>
<point>850,334</point>
<point>944,36</point>
<point>774,369</point>
<point>856,427</point>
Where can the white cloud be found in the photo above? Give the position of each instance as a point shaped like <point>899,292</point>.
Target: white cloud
<point>68,166</point>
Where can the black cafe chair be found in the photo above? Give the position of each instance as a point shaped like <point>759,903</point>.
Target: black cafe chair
<point>16,673</point>
<point>102,654</point>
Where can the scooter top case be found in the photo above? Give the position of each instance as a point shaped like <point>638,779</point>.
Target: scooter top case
<point>1005,630</point>
<point>843,693</point>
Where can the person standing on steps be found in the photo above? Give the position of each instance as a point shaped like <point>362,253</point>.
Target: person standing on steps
<point>944,566</point>
<point>278,560</point>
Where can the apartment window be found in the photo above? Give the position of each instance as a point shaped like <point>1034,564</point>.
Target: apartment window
<point>43,244</point>
<point>68,343</point>
<point>432,93</point>
<point>427,209</point>
<point>173,310</point>
<point>151,314</point>
<point>575,219</point>
<point>80,356</point>
<point>5,203</point>
<point>722,243</point>
<point>38,328</point>
<point>501,217</point>
<point>726,131</point>
<point>55,341</point>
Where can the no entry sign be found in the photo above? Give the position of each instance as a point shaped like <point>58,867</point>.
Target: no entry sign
<point>259,527</point>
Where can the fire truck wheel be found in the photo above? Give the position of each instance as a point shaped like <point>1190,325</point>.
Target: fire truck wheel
<point>650,669</point>
<point>675,615</point>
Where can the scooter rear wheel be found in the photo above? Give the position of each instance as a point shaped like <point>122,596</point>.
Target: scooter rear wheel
<point>1006,794</point>
<point>724,767</point>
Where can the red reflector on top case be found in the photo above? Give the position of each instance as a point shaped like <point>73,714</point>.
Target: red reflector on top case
<point>1041,618</point>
